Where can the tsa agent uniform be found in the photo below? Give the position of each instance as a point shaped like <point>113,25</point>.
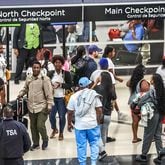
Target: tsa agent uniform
<point>14,142</point>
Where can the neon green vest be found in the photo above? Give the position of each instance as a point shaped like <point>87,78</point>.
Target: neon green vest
<point>32,36</point>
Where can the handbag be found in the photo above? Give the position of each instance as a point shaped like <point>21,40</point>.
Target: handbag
<point>67,95</point>
<point>8,74</point>
<point>114,33</point>
<point>67,92</point>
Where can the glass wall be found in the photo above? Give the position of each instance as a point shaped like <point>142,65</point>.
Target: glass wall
<point>135,41</point>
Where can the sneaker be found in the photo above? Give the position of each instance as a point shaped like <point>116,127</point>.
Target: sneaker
<point>110,139</point>
<point>44,144</point>
<point>157,160</point>
<point>102,155</point>
<point>141,158</point>
<point>121,116</point>
<point>34,147</point>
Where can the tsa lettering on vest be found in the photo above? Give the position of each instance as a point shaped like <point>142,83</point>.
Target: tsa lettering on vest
<point>11,132</point>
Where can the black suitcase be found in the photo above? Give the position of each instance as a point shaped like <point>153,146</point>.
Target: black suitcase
<point>20,110</point>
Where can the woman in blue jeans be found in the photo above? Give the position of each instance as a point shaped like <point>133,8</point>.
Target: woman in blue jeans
<point>106,89</point>
<point>61,80</point>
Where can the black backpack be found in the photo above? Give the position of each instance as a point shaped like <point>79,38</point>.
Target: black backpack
<point>80,66</point>
<point>78,69</point>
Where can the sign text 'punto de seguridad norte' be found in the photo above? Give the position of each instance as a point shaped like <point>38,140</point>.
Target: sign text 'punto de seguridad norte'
<point>40,14</point>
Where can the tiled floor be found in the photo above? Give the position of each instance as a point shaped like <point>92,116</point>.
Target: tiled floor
<point>120,152</point>
<point>110,160</point>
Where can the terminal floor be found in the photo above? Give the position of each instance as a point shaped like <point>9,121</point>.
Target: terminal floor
<point>120,152</point>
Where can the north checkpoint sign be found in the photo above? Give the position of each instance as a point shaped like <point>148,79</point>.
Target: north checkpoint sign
<point>41,14</point>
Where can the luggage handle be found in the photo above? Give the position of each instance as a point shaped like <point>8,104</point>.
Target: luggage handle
<point>20,109</point>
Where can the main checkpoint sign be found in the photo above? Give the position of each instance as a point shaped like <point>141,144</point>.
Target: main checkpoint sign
<point>106,10</point>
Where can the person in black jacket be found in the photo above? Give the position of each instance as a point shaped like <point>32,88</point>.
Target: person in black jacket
<point>27,40</point>
<point>61,81</point>
<point>77,64</point>
<point>82,65</point>
<point>14,139</point>
<point>106,90</point>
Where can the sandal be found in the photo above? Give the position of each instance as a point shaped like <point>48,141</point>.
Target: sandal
<point>136,141</point>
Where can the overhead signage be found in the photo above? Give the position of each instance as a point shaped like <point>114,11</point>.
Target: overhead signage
<point>120,1</point>
<point>124,12</point>
<point>41,14</point>
<point>31,3</point>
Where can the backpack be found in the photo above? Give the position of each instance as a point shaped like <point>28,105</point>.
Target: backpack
<point>78,69</point>
<point>84,101</point>
<point>80,65</point>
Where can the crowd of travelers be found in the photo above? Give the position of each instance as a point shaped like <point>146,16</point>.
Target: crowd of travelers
<point>91,86</point>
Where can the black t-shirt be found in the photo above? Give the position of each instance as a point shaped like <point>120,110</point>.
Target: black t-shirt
<point>106,100</point>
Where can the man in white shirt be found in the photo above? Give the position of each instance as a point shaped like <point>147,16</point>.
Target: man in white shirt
<point>103,63</point>
<point>88,116</point>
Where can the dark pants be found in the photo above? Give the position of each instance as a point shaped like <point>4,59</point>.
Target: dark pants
<point>156,49</point>
<point>59,106</point>
<point>153,130</point>
<point>23,59</point>
<point>60,34</point>
<point>37,125</point>
<point>19,161</point>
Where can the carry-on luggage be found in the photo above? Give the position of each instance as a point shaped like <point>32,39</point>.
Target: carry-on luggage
<point>20,110</point>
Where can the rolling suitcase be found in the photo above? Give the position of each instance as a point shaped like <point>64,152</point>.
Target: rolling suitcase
<point>20,110</point>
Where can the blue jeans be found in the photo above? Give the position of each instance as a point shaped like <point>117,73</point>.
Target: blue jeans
<point>59,106</point>
<point>93,137</point>
<point>86,31</point>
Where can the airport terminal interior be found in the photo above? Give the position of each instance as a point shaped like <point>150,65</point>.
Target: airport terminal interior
<point>120,152</point>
